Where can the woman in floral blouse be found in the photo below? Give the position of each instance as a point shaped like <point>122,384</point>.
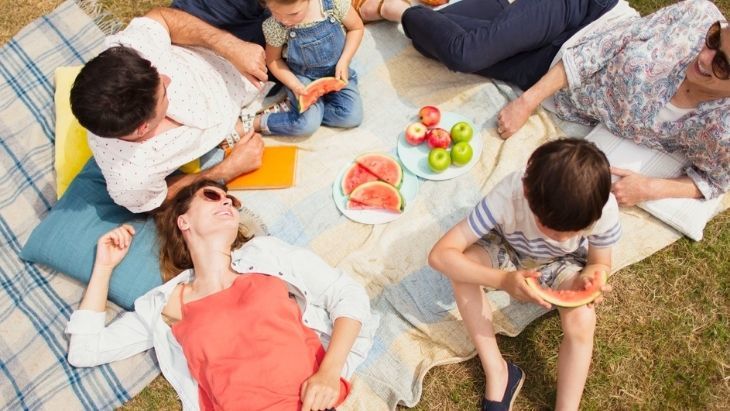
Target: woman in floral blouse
<point>662,81</point>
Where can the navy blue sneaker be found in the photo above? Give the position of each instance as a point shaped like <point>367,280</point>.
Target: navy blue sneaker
<point>515,378</point>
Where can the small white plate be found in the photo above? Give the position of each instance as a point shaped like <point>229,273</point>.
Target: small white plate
<point>408,189</point>
<point>415,158</point>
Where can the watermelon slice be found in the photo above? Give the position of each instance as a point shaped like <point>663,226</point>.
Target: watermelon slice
<point>570,298</point>
<point>317,89</point>
<point>383,166</point>
<point>355,176</point>
<point>376,195</point>
<point>356,205</point>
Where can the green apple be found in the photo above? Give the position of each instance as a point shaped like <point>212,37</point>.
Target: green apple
<point>439,160</point>
<point>461,131</point>
<point>461,153</point>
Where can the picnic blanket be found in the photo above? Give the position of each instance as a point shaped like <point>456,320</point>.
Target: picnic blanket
<point>35,303</point>
<point>419,322</point>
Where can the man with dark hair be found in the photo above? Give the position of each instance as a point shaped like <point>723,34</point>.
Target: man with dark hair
<point>555,222</point>
<point>162,96</point>
<point>116,92</point>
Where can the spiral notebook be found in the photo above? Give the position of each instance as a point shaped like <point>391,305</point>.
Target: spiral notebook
<point>278,170</point>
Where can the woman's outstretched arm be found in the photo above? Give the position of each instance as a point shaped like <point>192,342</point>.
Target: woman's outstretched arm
<point>515,114</point>
<point>92,342</point>
<point>110,250</point>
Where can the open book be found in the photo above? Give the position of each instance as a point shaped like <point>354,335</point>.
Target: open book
<point>278,170</point>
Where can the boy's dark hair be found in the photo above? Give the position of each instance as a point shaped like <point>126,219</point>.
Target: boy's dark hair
<point>567,183</point>
<point>115,92</point>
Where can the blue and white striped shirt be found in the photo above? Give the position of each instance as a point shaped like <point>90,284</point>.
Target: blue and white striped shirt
<point>505,209</point>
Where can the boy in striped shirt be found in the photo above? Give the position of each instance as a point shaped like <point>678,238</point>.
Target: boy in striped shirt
<point>556,221</point>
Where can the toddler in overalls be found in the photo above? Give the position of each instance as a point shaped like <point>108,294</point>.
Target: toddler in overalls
<point>321,37</point>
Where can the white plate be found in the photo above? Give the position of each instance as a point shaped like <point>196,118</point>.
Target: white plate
<point>415,158</point>
<point>408,189</point>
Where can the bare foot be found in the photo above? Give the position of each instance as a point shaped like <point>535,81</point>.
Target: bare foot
<point>513,116</point>
<point>393,10</point>
<point>369,10</point>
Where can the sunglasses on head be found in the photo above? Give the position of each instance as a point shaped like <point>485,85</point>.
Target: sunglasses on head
<point>216,196</point>
<point>720,63</point>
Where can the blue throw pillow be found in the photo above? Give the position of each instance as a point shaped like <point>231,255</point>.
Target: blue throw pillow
<point>66,239</point>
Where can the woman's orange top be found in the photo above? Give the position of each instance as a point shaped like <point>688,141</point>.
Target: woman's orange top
<point>247,348</point>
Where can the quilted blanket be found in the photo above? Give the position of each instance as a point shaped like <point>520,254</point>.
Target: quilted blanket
<point>419,323</point>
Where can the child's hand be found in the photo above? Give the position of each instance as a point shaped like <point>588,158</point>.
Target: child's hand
<point>299,89</point>
<point>516,286</point>
<point>587,282</point>
<point>342,70</point>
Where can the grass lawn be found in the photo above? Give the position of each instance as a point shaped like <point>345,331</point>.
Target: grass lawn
<point>663,336</point>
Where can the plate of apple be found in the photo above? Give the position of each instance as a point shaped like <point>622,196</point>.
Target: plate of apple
<point>440,146</point>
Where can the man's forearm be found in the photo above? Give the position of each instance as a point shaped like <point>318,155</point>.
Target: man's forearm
<point>188,30</point>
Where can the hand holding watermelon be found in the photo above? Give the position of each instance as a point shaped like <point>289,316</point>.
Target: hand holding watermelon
<point>316,89</point>
<point>590,293</point>
<point>600,278</point>
<point>299,90</point>
<point>517,285</point>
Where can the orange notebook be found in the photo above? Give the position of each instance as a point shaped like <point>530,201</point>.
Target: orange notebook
<point>278,170</point>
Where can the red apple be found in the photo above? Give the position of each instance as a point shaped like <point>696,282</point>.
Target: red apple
<point>430,116</point>
<point>416,134</point>
<point>438,138</point>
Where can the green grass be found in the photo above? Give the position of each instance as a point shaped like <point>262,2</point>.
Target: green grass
<point>661,342</point>
<point>663,335</point>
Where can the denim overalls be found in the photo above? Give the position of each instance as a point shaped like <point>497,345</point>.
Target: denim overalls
<point>313,52</point>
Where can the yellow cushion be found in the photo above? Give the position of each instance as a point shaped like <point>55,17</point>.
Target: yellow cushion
<point>192,167</point>
<point>72,147</point>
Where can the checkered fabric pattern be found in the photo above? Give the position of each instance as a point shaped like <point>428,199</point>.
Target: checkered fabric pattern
<point>420,325</point>
<point>36,303</point>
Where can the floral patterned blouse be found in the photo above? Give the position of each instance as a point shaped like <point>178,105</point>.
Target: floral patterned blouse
<point>624,75</point>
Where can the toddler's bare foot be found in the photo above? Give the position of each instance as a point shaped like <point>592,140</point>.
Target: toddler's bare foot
<point>369,10</point>
<point>513,116</point>
<point>393,10</point>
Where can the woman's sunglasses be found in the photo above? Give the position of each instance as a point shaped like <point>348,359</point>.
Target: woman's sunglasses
<point>216,196</point>
<point>720,63</point>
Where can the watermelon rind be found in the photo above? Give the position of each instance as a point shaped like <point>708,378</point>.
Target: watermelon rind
<point>371,162</point>
<point>569,298</point>
<point>354,171</point>
<point>378,194</point>
<point>355,205</point>
<point>317,89</point>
